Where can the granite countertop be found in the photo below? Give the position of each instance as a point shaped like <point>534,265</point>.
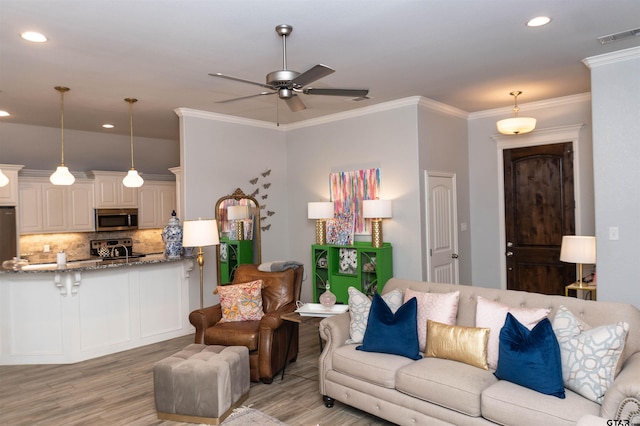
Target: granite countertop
<point>91,265</point>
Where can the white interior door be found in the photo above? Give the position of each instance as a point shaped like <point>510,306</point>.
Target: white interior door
<point>442,219</point>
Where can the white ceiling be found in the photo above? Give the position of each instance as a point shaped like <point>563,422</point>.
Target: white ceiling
<point>467,54</point>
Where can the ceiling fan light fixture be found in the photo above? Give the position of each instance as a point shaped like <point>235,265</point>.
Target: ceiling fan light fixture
<point>4,180</point>
<point>62,175</point>
<point>516,125</point>
<point>132,179</point>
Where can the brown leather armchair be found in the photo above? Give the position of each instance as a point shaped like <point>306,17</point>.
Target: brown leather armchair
<point>266,339</point>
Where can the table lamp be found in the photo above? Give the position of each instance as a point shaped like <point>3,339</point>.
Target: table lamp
<point>237,213</point>
<point>578,249</point>
<point>376,210</point>
<point>200,233</point>
<point>320,210</point>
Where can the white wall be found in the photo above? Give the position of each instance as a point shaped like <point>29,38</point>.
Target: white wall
<point>38,148</point>
<point>443,148</point>
<point>216,158</point>
<point>615,86</point>
<point>486,248</point>
<point>383,138</point>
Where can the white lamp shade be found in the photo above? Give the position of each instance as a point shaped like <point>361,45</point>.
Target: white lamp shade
<point>376,209</point>
<point>237,212</point>
<point>320,210</point>
<point>199,233</point>
<point>516,125</point>
<point>62,176</point>
<point>132,179</point>
<point>578,249</point>
<point>4,180</point>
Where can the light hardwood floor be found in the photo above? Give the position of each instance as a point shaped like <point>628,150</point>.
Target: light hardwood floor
<point>118,390</point>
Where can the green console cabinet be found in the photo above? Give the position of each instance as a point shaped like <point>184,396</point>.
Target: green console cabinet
<point>360,265</point>
<point>232,254</point>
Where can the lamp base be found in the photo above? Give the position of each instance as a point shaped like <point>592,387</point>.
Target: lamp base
<point>239,230</point>
<point>376,232</point>
<point>321,232</point>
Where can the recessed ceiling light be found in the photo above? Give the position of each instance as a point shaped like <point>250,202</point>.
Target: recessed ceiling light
<point>108,126</point>
<point>538,21</point>
<point>4,114</point>
<point>33,36</point>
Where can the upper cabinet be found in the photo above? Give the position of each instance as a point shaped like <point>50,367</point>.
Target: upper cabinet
<point>156,201</point>
<point>110,192</point>
<point>46,208</point>
<point>9,192</point>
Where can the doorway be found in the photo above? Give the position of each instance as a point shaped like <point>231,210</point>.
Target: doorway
<point>442,232</point>
<point>539,209</point>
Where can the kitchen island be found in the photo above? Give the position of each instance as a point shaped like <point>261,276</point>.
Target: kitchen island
<point>90,309</point>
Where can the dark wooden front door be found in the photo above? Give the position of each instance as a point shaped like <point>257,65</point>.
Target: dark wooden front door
<point>539,210</point>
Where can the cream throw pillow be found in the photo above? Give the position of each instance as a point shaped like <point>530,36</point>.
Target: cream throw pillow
<point>439,307</point>
<point>458,343</point>
<point>492,315</point>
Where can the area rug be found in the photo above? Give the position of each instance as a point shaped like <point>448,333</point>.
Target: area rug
<point>246,416</point>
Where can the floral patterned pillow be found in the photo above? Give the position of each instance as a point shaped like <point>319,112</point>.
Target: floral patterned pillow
<point>241,302</point>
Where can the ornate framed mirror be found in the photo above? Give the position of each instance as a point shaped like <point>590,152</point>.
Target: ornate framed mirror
<point>238,217</point>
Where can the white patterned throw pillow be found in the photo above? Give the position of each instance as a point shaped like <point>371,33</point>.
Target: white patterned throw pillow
<point>438,307</point>
<point>589,355</point>
<point>359,306</point>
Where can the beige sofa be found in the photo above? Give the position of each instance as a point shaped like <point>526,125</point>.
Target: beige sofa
<point>436,391</point>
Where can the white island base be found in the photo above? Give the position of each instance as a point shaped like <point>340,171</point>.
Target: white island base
<point>70,316</point>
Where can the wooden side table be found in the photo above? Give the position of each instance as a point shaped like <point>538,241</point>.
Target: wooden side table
<point>592,289</point>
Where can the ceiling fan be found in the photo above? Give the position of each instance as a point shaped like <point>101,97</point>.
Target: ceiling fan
<point>288,83</point>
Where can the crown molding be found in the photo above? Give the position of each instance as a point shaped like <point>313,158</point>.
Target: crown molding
<point>531,106</point>
<point>540,136</point>
<point>613,57</point>
<point>196,113</point>
<point>444,108</point>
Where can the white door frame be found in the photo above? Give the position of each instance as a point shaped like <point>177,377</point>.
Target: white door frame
<point>454,223</point>
<point>570,133</point>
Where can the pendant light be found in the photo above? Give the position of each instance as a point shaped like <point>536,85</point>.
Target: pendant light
<point>516,125</point>
<point>133,179</point>
<point>4,180</point>
<point>62,176</point>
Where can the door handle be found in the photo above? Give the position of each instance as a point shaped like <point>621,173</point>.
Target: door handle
<point>454,255</point>
<point>509,253</point>
<point>509,244</point>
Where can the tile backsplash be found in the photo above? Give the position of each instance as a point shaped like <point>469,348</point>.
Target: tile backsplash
<point>76,245</point>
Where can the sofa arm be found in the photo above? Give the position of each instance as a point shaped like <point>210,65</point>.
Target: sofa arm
<point>622,400</point>
<point>204,318</point>
<point>335,331</point>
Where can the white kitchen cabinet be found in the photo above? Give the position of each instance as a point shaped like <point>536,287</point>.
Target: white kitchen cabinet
<point>110,192</point>
<point>9,192</point>
<point>48,208</point>
<point>156,201</point>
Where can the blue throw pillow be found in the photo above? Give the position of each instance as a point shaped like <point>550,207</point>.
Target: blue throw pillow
<point>530,358</point>
<point>390,333</point>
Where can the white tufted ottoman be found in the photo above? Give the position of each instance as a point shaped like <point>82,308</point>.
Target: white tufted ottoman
<point>201,383</point>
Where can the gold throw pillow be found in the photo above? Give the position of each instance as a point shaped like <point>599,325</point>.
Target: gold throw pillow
<point>458,343</point>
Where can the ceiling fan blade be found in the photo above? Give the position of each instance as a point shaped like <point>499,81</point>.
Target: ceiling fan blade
<point>347,93</point>
<point>312,74</point>
<point>241,80</point>
<point>295,104</point>
<point>246,97</point>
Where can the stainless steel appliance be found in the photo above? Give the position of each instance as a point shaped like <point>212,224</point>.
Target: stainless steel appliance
<point>116,219</point>
<point>8,246</point>
<point>119,248</point>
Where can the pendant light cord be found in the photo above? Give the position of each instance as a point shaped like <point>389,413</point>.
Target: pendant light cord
<point>131,102</point>
<point>62,90</point>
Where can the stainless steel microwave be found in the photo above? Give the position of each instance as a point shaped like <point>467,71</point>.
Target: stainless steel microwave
<point>116,219</point>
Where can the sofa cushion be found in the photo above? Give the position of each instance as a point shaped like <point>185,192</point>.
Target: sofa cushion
<point>440,307</point>
<point>245,333</point>
<point>457,343</point>
<point>510,404</point>
<point>492,314</point>
<point>241,302</point>
<point>392,333</point>
<point>359,306</point>
<point>589,355</point>
<point>447,383</point>
<point>530,358</point>
<point>371,367</point>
